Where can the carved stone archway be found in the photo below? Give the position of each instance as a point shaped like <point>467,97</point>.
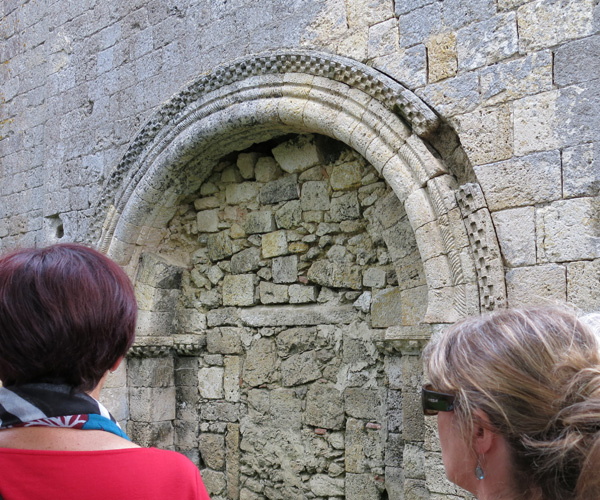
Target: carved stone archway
<point>256,99</point>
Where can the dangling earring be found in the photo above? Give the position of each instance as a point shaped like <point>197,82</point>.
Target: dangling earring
<point>479,471</point>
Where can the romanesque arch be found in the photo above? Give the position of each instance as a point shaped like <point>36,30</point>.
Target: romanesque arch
<point>261,98</point>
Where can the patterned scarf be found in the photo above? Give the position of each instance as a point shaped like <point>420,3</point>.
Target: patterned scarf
<point>53,405</point>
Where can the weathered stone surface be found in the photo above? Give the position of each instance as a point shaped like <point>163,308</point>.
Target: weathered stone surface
<point>538,177</point>
<point>270,293</point>
<point>363,403</point>
<point>283,189</point>
<point>299,369</point>
<point>208,221</point>
<point>441,51</point>
<point>210,382</point>
<point>581,172</point>
<point>536,284</point>
<point>487,42</point>
<point>245,261</point>
<point>289,215</point>
<point>453,96</point>
<point>345,207</point>
<point>214,482</point>
<point>296,316</point>
<point>583,285</point>
<point>246,163</point>
<point>301,294</point>
<point>544,24</point>
<point>533,119</point>
<point>231,378</point>
<point>267,169</point>
<point>337,275</point>
<point>324,407</point>
<point>486,134</point>
<point>325,486</point>
<point>386,309</point>
<point>568,230</point>
<point>346,176</point>
<point>577,61</point>
<point>516,234</point>
<point>212,450</point>
<point>315,196</point>
<point>285,269</point>
<point>219,246</point>
<point>296,155</point>
<point>240,193</point>
<point>274,244</point>
<point>238,290</point>
<point>225,340</point>
<point>260,364</point>
<point>259,222</point>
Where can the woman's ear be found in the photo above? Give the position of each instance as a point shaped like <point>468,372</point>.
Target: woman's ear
<point>483,435</point>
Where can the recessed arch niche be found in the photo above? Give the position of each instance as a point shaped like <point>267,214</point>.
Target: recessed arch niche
<point>256,99</point>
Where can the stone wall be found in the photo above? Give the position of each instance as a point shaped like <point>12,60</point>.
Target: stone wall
<point>466,179</point>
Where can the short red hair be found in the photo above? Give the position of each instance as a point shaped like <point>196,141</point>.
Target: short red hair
<point>67,313</point>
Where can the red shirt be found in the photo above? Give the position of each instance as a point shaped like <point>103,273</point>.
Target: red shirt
<point>128,474</point>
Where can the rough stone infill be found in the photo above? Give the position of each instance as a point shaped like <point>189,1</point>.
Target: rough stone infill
<point>299,258</point>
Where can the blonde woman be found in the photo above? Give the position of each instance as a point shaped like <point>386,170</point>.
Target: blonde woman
<point>517,398</point>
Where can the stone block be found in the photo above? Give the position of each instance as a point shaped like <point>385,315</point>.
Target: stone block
<point>300,369</point>
<point>583,285</point>
<point>246,163</point>
<point>297,154</point>
<point>538,177</point>
<point>535,121</point>
<point>507,81</point>
<point>271,293</point>
<point>453,96</point>
<point>222,411</point>
<point>315,196</point>
<point>245,261</point>
<point>386,309</point>
<point>156,434</point>
<point>232,446</point>
<point>150,372</point>
<point>232,375</point>
<point>214,482</point>
<point>345,207</point>
<point>581,170</point>
<point>487,42</point>
<point>324,407</point>
<point>441,52</point>
<point>261,362</point>
<point>374,277</point>
<point>283,189</point>
<point>231,174</point>
<point>154,323</point>
<point>117,400</point>
<point>296,340</point>
<point>241,193</point>
<point>364,487</point>
<point>285,269</point>
<point>323,485</point>
<point>267,169</point>
<point>536,285</point>
<point>258,222</point>
<point>577,61</point>
<point>515,229</point>
<point>301,294</point>
<point>212,450</point>
<point>274,244</point>
<point>545,24</point>
<point>335,274</point>
<point>289,215</point>
<point>152,404</point>
<point>408,65</point>
<point>345,177</point>
<point>238,290</point>
<point>419,24</point>
<point>285,409</point>
<point>224,340</point>
<point>364,403</point>
<point>207,221</point>
<point>293,316</point>
<point>414,305</point>
<point>219,246</point>
<point>210,382</point>
<point>156,272</point>
<point>457,13</point>
<point>568,230</point>
<point>486,134</point>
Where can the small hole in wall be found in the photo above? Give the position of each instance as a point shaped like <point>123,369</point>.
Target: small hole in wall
<point>54,228</point>
<point>60,231</point>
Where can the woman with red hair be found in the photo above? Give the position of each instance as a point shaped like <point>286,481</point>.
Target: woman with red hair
<point>67,318</point>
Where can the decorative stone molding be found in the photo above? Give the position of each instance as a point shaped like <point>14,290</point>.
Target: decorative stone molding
<point>259,98</point>
<point>406,340</point>
<point>484,246</point>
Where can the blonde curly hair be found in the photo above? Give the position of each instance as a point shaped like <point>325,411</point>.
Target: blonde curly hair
<point>535,372</point>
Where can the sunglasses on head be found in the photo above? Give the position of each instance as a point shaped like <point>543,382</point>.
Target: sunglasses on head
<point>434,402</point>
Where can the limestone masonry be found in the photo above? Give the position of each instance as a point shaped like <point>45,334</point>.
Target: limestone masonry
<point>303,192</point>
